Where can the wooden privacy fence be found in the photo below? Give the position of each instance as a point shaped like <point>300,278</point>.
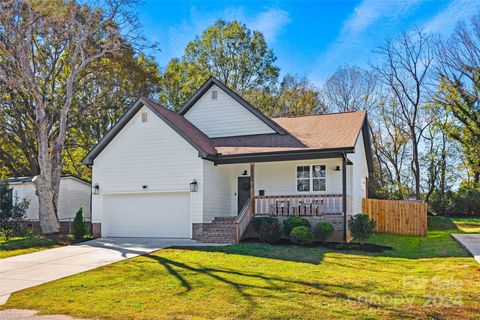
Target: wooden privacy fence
<point>397,216</point>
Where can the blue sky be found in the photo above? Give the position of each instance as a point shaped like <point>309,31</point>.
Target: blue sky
<point>310,38</point>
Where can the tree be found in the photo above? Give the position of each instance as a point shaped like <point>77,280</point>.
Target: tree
<point>229,51</point>
<point>351,88</point>
<point>405,70</point>
<point>12,211</point>
<point>458,69</point>
<point>45,46</point>
<point>390,139</point>
<point>297,97</point>
<point>78,226</point>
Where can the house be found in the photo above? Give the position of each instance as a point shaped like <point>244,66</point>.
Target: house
<point>203,172</point>
<point>74,193</point>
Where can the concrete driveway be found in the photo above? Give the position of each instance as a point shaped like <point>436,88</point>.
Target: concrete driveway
<point>28,270</point>
<point>471,242</point>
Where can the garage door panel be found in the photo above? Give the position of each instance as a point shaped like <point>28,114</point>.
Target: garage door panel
<point>148,215</point>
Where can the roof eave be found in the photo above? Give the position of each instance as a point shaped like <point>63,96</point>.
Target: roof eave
<point>281,155</point>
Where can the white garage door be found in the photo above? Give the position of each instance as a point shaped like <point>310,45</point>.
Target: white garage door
<point>163,215</point>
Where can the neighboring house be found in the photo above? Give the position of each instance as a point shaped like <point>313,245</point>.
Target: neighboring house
<point>205,171</point>
<point>74,193</point>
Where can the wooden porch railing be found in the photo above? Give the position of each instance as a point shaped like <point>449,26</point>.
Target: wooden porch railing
<point>243,219</point>
<point>299,205</point>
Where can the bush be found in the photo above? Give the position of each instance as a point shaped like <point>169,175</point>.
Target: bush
<point>292,222</point>
<point>301,235</point>
<point>361,227</point>
<point>12,211</point>
<point>464,202</point>
<point>268,229</point>
<point>323,230</point>
<point>78,227</point>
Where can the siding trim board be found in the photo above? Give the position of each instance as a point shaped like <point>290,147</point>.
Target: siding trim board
<point>212,81</point>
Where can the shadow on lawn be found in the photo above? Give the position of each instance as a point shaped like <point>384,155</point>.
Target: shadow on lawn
<point>243,281</point>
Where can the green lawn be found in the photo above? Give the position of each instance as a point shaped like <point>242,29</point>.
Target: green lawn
<point>423,278</point>
<point>21,245</point>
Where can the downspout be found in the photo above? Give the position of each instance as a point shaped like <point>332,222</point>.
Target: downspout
<point>344,196</point>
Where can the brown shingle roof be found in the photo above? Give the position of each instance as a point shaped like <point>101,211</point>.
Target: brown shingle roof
<point>329,131</point>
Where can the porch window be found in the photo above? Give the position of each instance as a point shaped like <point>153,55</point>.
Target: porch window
<point>303,178</point>
<point>311,178</point>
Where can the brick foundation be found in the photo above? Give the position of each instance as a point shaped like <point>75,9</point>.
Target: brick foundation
<point>65,226</point>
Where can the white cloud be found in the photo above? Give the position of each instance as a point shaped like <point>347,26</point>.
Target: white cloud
<point>366,26</point>
<point>446,20</point>
<point>270,22</point>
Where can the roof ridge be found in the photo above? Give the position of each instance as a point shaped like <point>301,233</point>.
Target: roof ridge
<point>321,114</point>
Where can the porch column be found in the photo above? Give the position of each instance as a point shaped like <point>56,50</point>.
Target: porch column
<point>344,196</point>
<point>252,187</point>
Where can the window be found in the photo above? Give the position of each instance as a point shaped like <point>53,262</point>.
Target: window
<point>319,178</point>
<point>144,116</point>
<point>311,178</point>
<point>214,95</point>
<point>303,178</point>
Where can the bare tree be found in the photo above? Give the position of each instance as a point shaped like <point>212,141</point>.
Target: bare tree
<point>389,144</point>
<point>45,46</point>
<point>351,88</point>
<point>405,69</point>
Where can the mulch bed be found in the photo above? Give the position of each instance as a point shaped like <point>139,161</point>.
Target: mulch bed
<point>338,246</point>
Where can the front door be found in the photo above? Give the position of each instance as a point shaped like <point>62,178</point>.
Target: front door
<point>243,192</point>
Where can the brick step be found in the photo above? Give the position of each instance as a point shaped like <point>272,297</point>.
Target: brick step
<point>224,220</point>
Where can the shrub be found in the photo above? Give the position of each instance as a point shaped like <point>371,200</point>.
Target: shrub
<point>301,235</point>
<point>78,227</point>
<point>292,222</point>
<point>361,227</point>
<point>323,230</point>
<point>12,211</point>
<point>268,229</point>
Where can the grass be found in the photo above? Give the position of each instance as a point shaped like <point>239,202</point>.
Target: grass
<point>33,243</point>
<point>423,278</point>
<point>21,245</point>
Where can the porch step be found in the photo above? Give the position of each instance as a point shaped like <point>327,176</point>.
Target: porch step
<point>220,230</point>
<point>224,220</point>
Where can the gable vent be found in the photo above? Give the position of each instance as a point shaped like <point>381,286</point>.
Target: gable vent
<point>214,94</point>
<point>144,116</point>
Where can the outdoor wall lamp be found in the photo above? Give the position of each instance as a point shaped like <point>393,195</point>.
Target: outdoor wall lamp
<point>245,173</point>
<point>96,189</point>
<point>194,186</point>
<point>337,168</point>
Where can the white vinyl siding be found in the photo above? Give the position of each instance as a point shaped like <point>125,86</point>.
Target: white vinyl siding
<point>150,154</point>
<point>359,175</point>
<point>73,195</point>
<point>279,178</point>
<point>224,117</point>
<point>217,191</point>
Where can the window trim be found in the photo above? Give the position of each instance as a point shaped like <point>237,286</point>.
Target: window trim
<point>310,178</point>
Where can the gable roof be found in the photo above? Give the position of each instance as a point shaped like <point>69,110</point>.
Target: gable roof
<point>212,81</point>
<point>179,124</point>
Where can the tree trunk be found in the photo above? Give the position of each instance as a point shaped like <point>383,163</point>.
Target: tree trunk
<point>44,184</point>
<point>415,162</point>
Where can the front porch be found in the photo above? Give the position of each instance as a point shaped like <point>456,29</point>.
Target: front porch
<point>315,189</point>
